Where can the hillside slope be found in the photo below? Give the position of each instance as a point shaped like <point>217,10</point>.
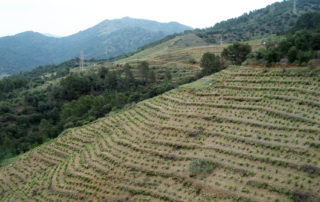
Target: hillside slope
<point>273,19</point>
<point>255,133</point>
<point>177,43</point>
<point>181,48</point>
<point>109,38</point>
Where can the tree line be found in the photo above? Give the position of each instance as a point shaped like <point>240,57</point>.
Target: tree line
<point>297,47</point>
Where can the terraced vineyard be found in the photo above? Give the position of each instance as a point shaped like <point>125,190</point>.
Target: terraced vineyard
<point>180,55</point>
<point>241,134</point>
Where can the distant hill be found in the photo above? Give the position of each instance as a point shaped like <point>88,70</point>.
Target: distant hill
<point>109,38</point>
<point>51,35</point>
<point>273,19</point>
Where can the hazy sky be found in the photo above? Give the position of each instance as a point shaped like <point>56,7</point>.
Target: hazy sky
<point>65,17</point>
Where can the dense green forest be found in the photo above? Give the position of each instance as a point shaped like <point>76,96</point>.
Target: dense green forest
<point>274,19</point>
<point>35,107</point>
<point>298,46</point>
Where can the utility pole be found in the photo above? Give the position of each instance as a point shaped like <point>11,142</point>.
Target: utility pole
<point>295,7</point>
<point>81,60</point>
<point>221,40</point>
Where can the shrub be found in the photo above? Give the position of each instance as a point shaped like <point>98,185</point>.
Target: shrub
<point>192,61</point>
<point>304,57</point>
<point>292,54</point>
<point>210,64</point>
<point>201,167</point>
<point>236,53</point>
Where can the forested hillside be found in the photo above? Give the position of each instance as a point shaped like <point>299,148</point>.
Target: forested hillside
<point>274,19</point>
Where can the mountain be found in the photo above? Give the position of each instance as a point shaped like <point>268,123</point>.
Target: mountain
<point>51,35</point>
<point>109,38</point>
<point>273,19</point>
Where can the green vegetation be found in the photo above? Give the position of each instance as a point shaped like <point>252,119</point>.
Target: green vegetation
<point>236,53</point>
<point>252,135</point>
<point>179,42</point>
<point>210,64</point>
<point>298,46</point>
<point>144,71</point>
<point>35,107</point>
<point>274,19</point>
<point>108,39</point>
<point>201,167</point>
<point>116,132</point>
<point>308,21</point>
<point>38,105</point>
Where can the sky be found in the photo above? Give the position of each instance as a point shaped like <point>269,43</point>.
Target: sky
<point>66,17</point>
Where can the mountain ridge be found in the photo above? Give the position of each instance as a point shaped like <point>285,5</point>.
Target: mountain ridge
<point>29,49</point>
<point>273,19</point>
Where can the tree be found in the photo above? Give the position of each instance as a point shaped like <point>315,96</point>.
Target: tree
<point>302,40</point>
<point>144,71</point>
<point>81,108</point>
<point>102,72</point>
<point>272,56</point>
<point>210,64</point>
<point>45,129</point>
<point>112,80</point>
<point>260,54</point>
<point>308,21</point>
<point>304,57</point>
<point>152,76</point>
<point>292,54</point>
<point>74,85</point>
<point>315,41</point>
<point>236,53</point>
<point>168,76</point>
<point>128,74</point>
<point>284,47</point>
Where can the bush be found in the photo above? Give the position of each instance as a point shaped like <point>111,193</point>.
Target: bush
<point>201,167</point>
<point>192,61</point>
<point>210,64</point>
<point>74,85</point>
<point>236,53</point>
<point>308,21</point>
<point>272,56</point>
<point>261,53</point>
<point>299,45</point>
<point>292,54</point>
<point>304,57</point>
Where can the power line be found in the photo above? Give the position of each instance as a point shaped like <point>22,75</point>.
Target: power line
<point>81,60</point>
<point>295,7</point>
<point>221,40</point>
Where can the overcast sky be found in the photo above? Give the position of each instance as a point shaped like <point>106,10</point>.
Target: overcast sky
<point>65,17</point>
